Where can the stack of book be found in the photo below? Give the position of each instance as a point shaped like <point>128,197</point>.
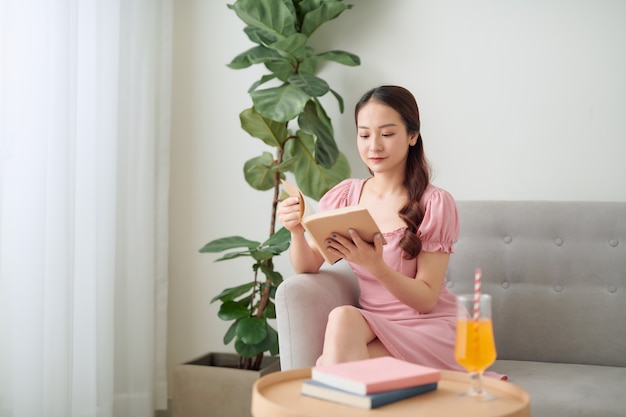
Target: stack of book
<point>370,383</point>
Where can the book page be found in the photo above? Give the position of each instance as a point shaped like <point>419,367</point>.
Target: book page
<point>306,209</point>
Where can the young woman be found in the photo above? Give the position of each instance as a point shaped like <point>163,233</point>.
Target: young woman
<point>406,310</point>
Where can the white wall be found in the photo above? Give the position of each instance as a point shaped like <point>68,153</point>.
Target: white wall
<point>519,100</point>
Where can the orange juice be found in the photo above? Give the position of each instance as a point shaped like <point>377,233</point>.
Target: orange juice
<point>475,348</point>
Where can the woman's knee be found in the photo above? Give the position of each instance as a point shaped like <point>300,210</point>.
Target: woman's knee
<point>345,316</point>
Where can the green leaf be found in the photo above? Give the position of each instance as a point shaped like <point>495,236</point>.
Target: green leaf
<point>308,65</point>
<point>270,16</point>
<point>270,311</point>
<point>339,99</point>
<point>272,133</point>
<point>231,310</point>
<point>279,238</point>
<point>273,289</point>
<point>259,172</point>
<point>269,252</point>
<point>262,80</point>
<point>310,84</point>
<point>274,349</point>
<point>278,248</point>
<point>326,11</point>
<point>315,180</point>
<point>305,6</point>
<point>301,149</point>
<point>232,255</point>
<point>260,36</point>
<point>275,245</point>
<point>281,104</point>
<point>274,276</point>
<point>342,57</point>
<point>256,55</point>
<point>312,179</point>
<point>315,121</point>
<point>285,165</point>
<point>231,333</point>
<point>293,47</point>
<point>252,330</point>
<point>290,5</point>
<point>262,255</point>
<point>272,250</point>
<point>271,339</point>
<point>269,343</point>
<point>241,61</point>
<point>226,243</point>
<point>281,69</point>
<point>230,294</point>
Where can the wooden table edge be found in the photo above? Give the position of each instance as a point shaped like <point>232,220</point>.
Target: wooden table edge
<point>263,406</point>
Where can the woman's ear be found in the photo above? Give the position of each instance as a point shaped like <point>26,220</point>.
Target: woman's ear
<point>413,138</point>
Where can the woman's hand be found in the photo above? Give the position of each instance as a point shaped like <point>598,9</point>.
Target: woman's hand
<point>356,250</point>
<point>289,214</point>
<point>304,258</point>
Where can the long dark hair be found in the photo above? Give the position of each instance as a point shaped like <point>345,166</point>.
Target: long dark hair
<point>417,174</point>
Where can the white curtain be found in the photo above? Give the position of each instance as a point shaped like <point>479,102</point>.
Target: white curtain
<point>84,156</point>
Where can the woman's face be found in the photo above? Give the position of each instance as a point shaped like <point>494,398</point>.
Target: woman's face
<point>382,138</point>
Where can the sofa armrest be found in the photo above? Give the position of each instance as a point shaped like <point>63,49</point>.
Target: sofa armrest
<point>303,302</point>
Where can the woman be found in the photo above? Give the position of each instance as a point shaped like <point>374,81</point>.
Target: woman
<point>406,311</point>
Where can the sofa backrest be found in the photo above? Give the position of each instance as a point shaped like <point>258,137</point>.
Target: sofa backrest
<point>557,275</point>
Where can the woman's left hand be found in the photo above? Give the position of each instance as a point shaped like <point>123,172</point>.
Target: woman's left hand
<point>356,250</point>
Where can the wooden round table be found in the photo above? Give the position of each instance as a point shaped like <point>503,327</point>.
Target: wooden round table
<point>278,395</point>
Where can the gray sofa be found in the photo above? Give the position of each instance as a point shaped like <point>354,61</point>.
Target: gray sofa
<point>557,274</point>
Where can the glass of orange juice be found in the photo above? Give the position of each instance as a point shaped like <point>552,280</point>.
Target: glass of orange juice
<point>475,348</point>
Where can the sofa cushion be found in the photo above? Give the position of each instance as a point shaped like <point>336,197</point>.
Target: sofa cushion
<point>557,274</point>
<point>558,389</point>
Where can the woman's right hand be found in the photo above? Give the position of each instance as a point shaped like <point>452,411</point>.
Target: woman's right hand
<point>289,214</point>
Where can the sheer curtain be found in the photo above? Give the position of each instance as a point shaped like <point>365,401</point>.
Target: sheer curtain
<point>84,156</point>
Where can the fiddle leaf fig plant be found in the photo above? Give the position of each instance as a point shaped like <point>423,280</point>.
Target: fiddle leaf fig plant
<point>287,115</point>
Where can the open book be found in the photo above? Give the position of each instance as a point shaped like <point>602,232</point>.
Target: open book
<point>320,226</point>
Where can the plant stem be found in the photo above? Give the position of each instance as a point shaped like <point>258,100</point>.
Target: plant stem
<point>265,295</point>
<point>279,159</point>
<point>257,361</point>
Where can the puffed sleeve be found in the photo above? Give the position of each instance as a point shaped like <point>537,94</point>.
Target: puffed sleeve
<point>336,197</point>
<point>440,227</point>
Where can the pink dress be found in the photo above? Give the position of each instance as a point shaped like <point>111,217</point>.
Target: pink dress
<point>425,339</point>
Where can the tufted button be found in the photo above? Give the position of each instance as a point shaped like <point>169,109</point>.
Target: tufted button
<point>558,241</point>
<point>449,284</point>
<point>613,243</point>
<point>508,239</point>
<point>505,284</point>
<point>558,288</point>
<point>612,288</point>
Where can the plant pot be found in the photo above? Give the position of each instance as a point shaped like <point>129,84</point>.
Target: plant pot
<point>212,385</point>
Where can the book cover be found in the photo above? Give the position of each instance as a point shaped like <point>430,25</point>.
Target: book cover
<point>322,391</point>
<point>374,375</point>
<point>320,226</point>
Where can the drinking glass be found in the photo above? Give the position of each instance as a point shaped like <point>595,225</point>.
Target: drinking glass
<point>475,349</point>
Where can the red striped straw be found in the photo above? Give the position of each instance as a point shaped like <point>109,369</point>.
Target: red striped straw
<point>477,278</point>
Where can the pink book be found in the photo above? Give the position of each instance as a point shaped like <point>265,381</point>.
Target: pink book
<point>374,375</point>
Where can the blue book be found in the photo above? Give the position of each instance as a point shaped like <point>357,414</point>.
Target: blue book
<point>322,391</point>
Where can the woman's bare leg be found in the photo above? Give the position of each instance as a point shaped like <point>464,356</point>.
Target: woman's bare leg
<point>348,337</point>
<point>377,349</point>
